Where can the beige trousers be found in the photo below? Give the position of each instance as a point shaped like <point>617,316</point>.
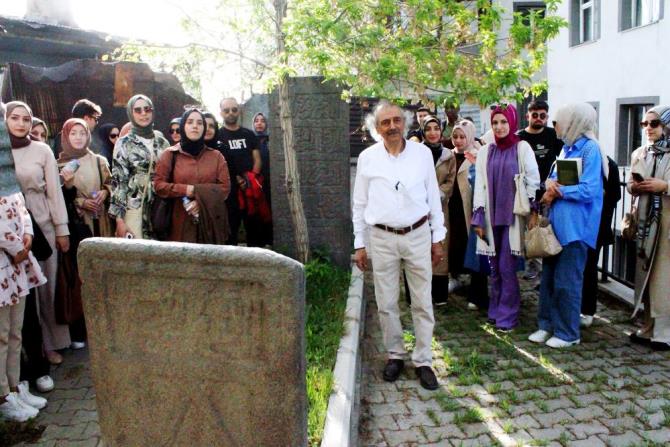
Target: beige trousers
<point>388,251</point>
<point>55,336</point>
<point>11,323</point>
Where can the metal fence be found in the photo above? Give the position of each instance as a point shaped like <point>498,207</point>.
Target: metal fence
<point>617,261</point>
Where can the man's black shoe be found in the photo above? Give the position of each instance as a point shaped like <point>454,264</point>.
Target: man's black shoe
<point>393,369</point>
<point>660,346</point>
<point>639,340</point>
<point>427,377</point>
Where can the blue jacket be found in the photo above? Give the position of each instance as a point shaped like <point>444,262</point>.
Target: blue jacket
<point>576,215</point>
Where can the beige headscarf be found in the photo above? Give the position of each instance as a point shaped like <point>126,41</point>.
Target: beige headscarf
<point>577,120</point>
<point>469,130</point>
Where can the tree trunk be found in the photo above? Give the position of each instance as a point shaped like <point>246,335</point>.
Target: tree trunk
<point>300,233</point>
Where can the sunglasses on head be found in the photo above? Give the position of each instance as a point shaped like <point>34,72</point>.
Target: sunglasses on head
<point>652,123</point>
<point>145,109</point>
<point>113,135</point>
<point>233,109</point>
<point>541,115</point>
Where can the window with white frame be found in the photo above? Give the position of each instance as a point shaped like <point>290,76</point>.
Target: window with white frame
<point>634,13</point>
<point>584,21</point>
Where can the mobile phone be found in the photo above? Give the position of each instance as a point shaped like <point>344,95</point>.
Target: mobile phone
<point>637,177</point>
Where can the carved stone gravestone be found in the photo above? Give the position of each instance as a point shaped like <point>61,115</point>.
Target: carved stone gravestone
<point>195,345</point>
<point>321,134</point>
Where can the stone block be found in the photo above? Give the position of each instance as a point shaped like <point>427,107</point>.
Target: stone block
<point>195,344</point>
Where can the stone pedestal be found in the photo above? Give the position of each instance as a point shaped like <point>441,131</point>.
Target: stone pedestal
<point>321,133</point>
<point>195,345</point>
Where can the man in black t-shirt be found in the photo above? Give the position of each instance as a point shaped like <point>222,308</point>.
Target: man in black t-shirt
<point>542,139</point>
<point>239,146</point>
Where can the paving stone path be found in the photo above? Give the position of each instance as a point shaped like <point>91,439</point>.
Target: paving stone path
<point>70,418</point>
<point>501,389</point>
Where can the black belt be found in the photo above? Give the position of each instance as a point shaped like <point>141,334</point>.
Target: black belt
<point>405,230</point>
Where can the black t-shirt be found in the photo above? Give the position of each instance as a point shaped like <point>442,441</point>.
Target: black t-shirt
<point>546,146</point>
<point>236,147</point>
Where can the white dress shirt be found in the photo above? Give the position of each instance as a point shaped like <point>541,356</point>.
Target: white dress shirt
<point>396,191</point>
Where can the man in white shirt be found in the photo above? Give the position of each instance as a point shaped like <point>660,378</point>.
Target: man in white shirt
<point>397,216</point>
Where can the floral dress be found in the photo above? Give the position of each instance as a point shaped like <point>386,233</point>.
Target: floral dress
<point>132,168</point>
<point>16,279</point>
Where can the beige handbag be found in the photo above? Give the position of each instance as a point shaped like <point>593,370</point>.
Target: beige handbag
<point>629,222</point>
<point>521,201</point>
<point>133,217</point>
<point>541,241</point>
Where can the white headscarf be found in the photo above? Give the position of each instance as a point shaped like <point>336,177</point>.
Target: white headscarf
<point>577,120</point>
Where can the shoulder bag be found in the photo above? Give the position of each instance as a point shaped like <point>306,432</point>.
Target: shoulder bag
<point>540,241</point>
<point>161,209</point>
<point>521,201</point>
<point>629,222</point>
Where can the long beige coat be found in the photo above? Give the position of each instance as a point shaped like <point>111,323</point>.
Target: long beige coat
<point>445,168</point>
<point>658,277</point>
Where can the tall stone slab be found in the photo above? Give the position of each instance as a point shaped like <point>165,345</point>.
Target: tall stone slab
<point>195,345</point>
<point>321,132</point>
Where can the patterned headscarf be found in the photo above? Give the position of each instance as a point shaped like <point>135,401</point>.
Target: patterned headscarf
<point>145,132</point>
<point>469,130</point>
<point>68,153</point>
<point>509,112</point>
<point>661,145</point>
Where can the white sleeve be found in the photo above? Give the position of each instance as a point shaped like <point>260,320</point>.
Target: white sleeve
<point>479,200</point>
<point>360,202</point>
<point>439,231</point>
<point>532,171</point>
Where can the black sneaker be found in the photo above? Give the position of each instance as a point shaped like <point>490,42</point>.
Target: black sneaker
<point>393,369</point>
<point>639,340</point>
<point>427,377</point>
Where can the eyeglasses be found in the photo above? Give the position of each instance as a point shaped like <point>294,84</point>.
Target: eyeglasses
<point>145,109</point>
<point>94,117</point>
<point>174,130</point>
<point>233,110</point>
<point>113,135</point>
<point>653,124</point>
<point>535,115</point>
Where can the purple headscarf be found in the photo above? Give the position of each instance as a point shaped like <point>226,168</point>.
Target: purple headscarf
<point>509,112</point>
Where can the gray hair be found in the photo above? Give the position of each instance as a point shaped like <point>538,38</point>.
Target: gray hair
<point>372,119</point>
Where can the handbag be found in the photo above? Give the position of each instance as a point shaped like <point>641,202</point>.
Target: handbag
<point>68,306</point>
<point>629,223</point>
<point>40,247</point>
<point>161,210</point>
<point>540,241</point>
<point>521,201</point>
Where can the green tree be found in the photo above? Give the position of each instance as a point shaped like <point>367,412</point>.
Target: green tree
<point>450,51</point>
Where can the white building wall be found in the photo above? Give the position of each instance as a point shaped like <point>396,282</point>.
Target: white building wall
<point>620,64</point>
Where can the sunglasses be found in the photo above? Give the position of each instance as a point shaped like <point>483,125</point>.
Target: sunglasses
<point>653,124</point>
<point>233,110</point>
<point>174,130</point>
<point>145,109</point>
<point>541,115</point>
<point>113,135</point>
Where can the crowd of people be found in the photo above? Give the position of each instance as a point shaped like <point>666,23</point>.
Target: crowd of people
<point>437,203</point>
<point>202,185</point>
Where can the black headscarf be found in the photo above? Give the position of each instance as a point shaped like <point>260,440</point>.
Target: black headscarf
<point>435,148</point>
<point>192,147</point>
<point>212,143</point>
<point>106,146</point>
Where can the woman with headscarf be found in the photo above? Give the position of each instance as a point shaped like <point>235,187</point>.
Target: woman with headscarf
<point>39,131</point>
<point>134,162</point>
<point>460,213</point>
<point>198,173</point>
<point>445,169</point>
<point>19,272</point>
<point>500,231</point>
<point>173,131</point>
<point>37,173</point>
<point>211,131</point>
<point>650,182</point>
<point>108,135</point>
<point>574,213</point>
<point>261,130</point>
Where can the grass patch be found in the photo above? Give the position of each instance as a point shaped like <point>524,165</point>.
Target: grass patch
<point>469,416</point>
<point>433,417</point>
<point>326,300</point>
<point>446,403</point>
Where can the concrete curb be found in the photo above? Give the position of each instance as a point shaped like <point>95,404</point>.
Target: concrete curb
<point>341,429</point>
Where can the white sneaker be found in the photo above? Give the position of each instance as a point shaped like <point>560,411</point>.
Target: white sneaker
<point>27,398</point>
<point>539,336</point>
<point>14,410</point>
<point>44,384</point>
<point>472,306</point>
<point>454,284</point>
<point>555,342</point>
<point>585,320</point>
<point>78,345</point>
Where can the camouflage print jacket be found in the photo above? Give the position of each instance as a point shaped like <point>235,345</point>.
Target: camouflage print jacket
<point>132,169</point>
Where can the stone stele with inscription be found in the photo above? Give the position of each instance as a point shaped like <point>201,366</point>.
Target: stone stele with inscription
<point>195,345</point>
